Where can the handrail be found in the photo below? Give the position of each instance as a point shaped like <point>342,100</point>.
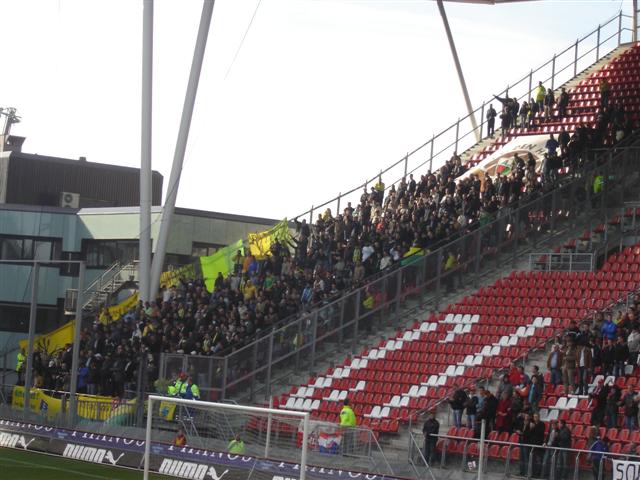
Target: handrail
<point>463,134</point>
<point>95,285</point>
<point>413,445</point>
<point>530,445</point>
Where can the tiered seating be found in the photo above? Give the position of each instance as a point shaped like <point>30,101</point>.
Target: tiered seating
<point>464,343</point>
<point>623,75</point>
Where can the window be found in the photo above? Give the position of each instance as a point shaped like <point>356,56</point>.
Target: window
<point>104,253</point>
<point>20,248</point>
<point>204,249</point>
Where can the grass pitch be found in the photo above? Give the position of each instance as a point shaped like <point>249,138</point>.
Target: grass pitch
<point>23,465</point>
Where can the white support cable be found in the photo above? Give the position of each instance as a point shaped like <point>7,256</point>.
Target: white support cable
<point>456,60</point>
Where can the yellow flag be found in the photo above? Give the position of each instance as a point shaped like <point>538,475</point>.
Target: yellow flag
<point>260,243</point>
<point>53,341</point>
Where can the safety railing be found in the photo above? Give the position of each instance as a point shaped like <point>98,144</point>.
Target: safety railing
<point>558,70</point>
<point>421,281</point>
<point>506,458</point>
<point>562,262</point>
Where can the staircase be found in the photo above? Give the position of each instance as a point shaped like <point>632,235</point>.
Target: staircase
<point>98,293</point>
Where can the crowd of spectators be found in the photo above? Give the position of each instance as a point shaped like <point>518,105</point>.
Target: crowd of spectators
<point>588,360</point>
<point>322,261</point>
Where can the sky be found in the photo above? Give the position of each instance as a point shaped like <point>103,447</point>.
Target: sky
<point>322,95</point>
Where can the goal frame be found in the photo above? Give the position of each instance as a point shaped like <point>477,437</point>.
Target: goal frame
<point>304,416</point>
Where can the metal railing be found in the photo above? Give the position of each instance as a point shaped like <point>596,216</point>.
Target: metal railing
<point>421,281</point>
<point>562,262</point>
<point>517,459</point>
<point>98,291</point>
<point>558,70</point>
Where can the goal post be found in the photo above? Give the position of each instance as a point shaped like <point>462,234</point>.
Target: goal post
<point>224,434</point>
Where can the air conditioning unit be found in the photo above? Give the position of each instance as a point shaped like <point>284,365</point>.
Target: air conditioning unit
<point>70,200</point>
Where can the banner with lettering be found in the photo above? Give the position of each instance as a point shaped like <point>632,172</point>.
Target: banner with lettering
<point>116,311</point>
<point>623,470</point>
<point>172,277</point>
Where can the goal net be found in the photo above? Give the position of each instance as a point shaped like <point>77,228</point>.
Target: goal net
<point>215,441</point>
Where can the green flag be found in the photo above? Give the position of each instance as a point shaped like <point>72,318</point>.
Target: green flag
<point>219,262</point>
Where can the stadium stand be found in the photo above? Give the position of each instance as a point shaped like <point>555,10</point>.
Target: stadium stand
<point>342,252</point>
<point>500,324</point>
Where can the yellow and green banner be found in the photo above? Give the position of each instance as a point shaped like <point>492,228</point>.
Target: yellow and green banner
<point>172,277</point>
<point>39,402</point>
<point>260,243</point>
<point>90,407</point>
<point>53,341</point>
<point>219,262</point>
<point>167,410</point>
<point>118,310</point>
<point>61,336</point>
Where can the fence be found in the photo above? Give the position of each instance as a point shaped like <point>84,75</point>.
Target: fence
<point>559,69</point>
<point>422,281</point>
<point>562,262</point>
<point>511,458</point>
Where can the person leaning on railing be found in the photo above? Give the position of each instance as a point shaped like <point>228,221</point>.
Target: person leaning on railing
<point>430,430</point>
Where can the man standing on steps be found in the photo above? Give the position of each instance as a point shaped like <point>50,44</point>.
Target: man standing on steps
<point>563,103</point>
<point>347,421</point>
<point>430,430</point>
<point>491,120</point>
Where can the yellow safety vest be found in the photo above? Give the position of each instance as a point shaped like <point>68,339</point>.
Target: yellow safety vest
<point>597,184</point>
<point>236,447</point>
<point>347,417</point>
<point>20,362</point>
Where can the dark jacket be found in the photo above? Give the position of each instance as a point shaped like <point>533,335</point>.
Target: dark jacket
<point>431,427</point>
<point>459,400</point>
<point>489,408</point>
<point>621,352</point>
<point>563,439</point>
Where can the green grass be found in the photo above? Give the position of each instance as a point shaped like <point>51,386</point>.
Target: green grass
<point>23,465</point>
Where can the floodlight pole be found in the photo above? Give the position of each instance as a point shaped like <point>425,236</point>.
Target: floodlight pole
<point>144,266</point>
<point>456,60</point>
<point>181,145</point>
<point>75,358</point>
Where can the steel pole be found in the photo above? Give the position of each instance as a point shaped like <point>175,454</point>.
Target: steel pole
<point>181,143</point>
<point>147,439</point>
<point>483,427</point>
<point>634,27</point>
<point>33,310</point>
<point>144,266</point>
<point>456,60</point>
<point>75,359</point>
<point>268,436</point>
